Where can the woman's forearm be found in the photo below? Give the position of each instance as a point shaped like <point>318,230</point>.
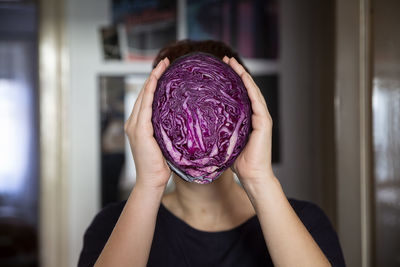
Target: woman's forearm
<point>289,243</point>
<point>130,241</point>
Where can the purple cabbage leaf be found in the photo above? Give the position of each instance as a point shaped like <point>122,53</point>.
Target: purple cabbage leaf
<point>201,117</point>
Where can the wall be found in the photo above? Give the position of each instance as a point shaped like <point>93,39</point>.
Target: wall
<point>300,153</point>
<point>307,170</point>
<point>295,170</point>
<point>83,18</point>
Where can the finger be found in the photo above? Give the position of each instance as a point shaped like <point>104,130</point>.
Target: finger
<point>147,101</point>
<point>138,102</point>
<point>250,82</point>
<point>257,103</point>
<point>260,94</point>
<point>135,110</point>
<point>240,70</point>
<point>166,61</point>
<point>160,68</point>
<point>226,59</point>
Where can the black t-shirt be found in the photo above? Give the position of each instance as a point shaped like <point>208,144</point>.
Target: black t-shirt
<point>175,243</point>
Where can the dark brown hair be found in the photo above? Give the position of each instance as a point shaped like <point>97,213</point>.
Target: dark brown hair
<point>183,47</point>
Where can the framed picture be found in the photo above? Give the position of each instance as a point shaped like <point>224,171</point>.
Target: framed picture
<point>145,26</point>
<point>249,26</point>
<point>110,43</point>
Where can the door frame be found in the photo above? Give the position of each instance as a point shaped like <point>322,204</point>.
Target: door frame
<point>53,73</point>
<point>353,130</point>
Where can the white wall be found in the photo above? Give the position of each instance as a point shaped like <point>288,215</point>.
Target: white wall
<point>295,169</point>
<point>83,20</point>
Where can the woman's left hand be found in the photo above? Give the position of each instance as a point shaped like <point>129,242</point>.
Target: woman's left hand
<point>253,165</point>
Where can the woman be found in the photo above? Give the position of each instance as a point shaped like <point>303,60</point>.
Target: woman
<point>218,224</point>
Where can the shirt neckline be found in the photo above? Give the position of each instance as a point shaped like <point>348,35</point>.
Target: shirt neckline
<point>189,228</point>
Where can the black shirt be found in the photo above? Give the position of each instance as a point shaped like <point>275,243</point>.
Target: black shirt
<point>175,243</point>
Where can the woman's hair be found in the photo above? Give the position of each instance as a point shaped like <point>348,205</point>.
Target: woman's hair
<point>183,47</point>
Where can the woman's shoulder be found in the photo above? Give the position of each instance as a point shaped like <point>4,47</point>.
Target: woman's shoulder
<point>310,214</point>
<point>111,210</point>
<point>97,233</point>
<point>103,223</point>
<point>321,229</point>
<point>107,217</point>
<point>303,207</point>
<point>300,205</point>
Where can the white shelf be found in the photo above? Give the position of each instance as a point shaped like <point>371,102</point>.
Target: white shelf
<point>116,67</point>
<point>262,66</point>
<point>121,68</point>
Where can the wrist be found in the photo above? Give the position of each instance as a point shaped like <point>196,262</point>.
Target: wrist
<point>149,189</point>
<point>263,189</point>
<point>257,179</point>
<point>256,175</point>
<point>152,182</point>
<point>145,197</point>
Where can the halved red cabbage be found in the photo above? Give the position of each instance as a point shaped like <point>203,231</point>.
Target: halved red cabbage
<point>201,117</point>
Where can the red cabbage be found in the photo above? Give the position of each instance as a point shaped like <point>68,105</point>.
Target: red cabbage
<point>201,117</point>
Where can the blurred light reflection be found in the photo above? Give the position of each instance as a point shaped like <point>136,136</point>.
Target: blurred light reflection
<point>14,135</point>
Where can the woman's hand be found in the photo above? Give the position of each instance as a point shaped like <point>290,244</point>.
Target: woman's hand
<point>151,167</point>
<point>254,162</point>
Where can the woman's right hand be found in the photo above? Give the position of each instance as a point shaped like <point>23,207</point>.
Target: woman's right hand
<point>151,167</point>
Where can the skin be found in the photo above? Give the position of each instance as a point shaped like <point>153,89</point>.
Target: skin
<point>224,204</point>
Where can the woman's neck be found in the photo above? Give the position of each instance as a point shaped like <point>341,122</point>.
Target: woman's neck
<point>217,206</point>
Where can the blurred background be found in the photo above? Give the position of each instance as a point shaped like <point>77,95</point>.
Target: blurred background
<point>71,70</point>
